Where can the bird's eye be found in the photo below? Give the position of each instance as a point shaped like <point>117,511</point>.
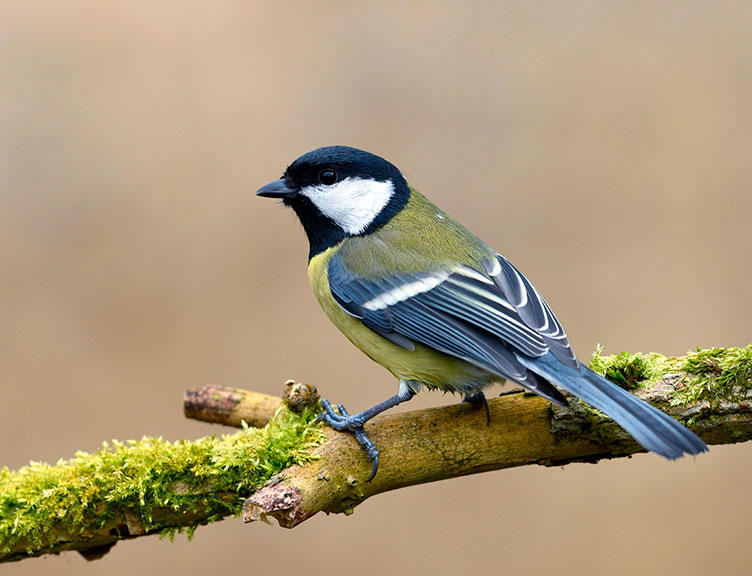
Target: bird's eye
<point>327,176</point>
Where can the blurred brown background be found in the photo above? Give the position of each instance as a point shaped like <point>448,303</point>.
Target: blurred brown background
<point>602,147</point>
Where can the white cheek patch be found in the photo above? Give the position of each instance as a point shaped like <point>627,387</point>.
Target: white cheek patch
<point>353,203</point>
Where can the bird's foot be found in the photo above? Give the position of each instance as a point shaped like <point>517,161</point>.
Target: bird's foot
<point>479,399</point>
<point>343,422</point>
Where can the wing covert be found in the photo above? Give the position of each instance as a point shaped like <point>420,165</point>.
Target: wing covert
<point>460,312</point>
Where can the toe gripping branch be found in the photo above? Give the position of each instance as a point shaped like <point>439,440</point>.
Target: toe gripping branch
<point>343,422</point>
<point>478,399</point>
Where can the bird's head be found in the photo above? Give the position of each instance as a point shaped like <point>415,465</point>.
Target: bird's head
<point>338,191</point>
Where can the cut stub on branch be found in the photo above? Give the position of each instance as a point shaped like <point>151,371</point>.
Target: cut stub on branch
<point>230,406</point>
<point>233,406</point>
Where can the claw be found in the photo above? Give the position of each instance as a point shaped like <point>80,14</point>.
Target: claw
<point>479,398</point>
<point>371,451</point>
<point>374,467</point>
<point>328,408</point>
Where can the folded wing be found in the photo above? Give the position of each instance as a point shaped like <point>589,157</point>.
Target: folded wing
<point>459,311</point>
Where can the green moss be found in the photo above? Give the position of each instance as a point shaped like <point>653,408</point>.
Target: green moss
<point>630,370</point>
<point>207,478</point>
<point>712,375</point>
<point>718,375</point>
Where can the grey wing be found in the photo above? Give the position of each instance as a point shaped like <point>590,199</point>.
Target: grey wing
<point>460,312</point>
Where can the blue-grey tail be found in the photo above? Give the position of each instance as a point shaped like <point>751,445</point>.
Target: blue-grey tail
<point>653,429</point>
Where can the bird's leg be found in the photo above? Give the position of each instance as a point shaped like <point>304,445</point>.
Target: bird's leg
<point>478,399</point>
<point>344,422</point>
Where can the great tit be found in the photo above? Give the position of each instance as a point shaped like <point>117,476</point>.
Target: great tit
<point>425,298</point>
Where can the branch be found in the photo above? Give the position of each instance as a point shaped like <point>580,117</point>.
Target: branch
<point>149,486</point>
<point>709,390</point>
<point>292,469</point>
<point>440,443</point>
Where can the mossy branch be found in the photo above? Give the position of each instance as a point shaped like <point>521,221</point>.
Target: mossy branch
<point>292,469</point>
<point>149,486</point>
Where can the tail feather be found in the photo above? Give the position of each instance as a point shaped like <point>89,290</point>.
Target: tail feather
<point>542,387</point>
<point>653,429</point>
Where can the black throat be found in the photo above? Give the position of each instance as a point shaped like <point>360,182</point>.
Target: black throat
<point>321,230</point>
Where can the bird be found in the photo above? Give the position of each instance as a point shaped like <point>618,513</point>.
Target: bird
<point>423,296</point>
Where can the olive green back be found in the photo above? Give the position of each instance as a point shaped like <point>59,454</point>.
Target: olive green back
<point>419,238</point>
